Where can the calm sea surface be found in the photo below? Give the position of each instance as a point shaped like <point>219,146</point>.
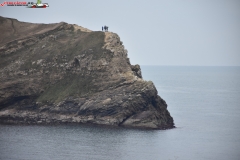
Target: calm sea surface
<point>205,105</point>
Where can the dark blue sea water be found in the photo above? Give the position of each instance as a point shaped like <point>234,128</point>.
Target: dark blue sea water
<point>205,105</point>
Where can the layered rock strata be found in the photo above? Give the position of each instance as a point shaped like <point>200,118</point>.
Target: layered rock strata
<point>58,73</point>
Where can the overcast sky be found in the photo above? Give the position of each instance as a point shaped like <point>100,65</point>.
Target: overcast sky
<point>156,32</point>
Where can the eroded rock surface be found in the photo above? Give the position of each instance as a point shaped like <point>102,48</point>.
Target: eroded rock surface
<point>55,73</point>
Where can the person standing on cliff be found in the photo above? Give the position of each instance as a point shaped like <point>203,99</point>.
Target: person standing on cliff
<point>102,28</point>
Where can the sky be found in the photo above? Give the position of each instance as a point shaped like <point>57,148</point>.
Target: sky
<point>156,32</point>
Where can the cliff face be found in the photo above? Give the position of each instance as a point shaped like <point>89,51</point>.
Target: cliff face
<point>54,73</point>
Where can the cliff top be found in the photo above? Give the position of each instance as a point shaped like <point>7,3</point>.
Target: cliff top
<point>66,73</point>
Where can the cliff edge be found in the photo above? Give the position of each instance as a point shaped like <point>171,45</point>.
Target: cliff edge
<point>57,73</point>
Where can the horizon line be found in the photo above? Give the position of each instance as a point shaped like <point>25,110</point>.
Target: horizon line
<point>189,65</point>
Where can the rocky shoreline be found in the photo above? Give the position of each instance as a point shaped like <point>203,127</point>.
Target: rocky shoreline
<point>64,73</point>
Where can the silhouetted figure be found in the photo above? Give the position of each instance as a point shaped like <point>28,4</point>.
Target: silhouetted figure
<point>105,27</point>
<point>102,28</point>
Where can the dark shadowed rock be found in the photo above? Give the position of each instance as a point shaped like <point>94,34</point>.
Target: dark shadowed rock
<point>55,73</point>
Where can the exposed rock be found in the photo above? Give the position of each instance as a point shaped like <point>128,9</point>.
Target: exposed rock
<point>57,73</point>
<point>136,70</point>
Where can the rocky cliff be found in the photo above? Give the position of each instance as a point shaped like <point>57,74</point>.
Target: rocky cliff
<point>57,73</point>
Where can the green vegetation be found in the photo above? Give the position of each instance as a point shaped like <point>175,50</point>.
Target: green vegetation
<point>67,45</point>
<point>74,85</point>
<point>71,85</point>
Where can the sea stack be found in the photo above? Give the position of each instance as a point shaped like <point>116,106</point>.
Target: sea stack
<point>64,73</point>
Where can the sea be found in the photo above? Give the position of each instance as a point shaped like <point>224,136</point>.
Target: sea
<point>205,105</point>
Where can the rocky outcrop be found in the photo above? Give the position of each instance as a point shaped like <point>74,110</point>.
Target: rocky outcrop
<point>57,73</point>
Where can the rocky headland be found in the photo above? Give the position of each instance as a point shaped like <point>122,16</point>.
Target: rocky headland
<point>64,73</point>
